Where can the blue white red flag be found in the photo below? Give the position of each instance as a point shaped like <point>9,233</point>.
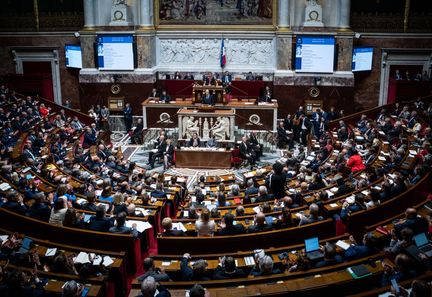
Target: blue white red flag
<point>223,54</point>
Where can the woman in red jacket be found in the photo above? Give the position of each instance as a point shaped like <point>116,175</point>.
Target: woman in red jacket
<point>355,162</point>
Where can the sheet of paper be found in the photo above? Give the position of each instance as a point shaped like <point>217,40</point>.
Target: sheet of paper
<point>179,226</point>
<point>107,261</point>
<point>342,244</point>
<point>257,209</point>
<point>3,237</point>
<point>51,252</point>
<point>82,258</point>
<point>141,225</point>
<point>97,260</point>
<point>166,263</point>
<point>333,205</point>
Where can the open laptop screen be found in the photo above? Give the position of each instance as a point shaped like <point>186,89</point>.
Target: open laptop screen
<point>311,244</point>
<point>420,239</point>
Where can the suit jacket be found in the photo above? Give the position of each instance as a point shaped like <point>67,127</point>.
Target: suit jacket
<point>207,99</point>
<point>244,150</point>
<point>170,150</point>
<point>232,230</point>
<point>102,225</point>
<point>127,112</point>
<point>259,228</point>
<point>191,141</point>
<point>165,98</point>
<point>282,135</point>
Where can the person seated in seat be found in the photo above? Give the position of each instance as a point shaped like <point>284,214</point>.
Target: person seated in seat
<point>198,272</point>
<point>263,196</point>
<point>204,226</point>
<point>168,229</point>
<point>152,271</point>
<point>356,251</point>
<point>228,227</point>
<point>149,287</point>
<point>330,256</point>
<point>194,141</point>
<point>312,217</point>
<point>99,222</point>
<point>264,266</point>
<point>227,269</point>
<point>120,227</point>
<point>260,224</point>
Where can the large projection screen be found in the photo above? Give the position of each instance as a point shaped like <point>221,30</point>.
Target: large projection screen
<point>115,52</point>
<point>362,59</point>
<point>314,54</point>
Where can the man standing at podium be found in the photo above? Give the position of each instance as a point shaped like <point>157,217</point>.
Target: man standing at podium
<point>208,98</point>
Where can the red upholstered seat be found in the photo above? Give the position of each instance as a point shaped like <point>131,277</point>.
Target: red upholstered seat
<point>236,160</point>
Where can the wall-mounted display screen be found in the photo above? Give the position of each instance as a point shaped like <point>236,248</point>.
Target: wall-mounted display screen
<point>73,56</point>
<point>362,59</point>
<point>314,54</point>
<point>115,52</point>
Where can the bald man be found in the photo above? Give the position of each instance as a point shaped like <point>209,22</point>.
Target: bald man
<point>260,224</point>
<point>413,221</point>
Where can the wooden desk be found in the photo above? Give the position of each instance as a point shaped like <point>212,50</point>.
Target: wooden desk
<point>157,114</point>
<point>203,159</point>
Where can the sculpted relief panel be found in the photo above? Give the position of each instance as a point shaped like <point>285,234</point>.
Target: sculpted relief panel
<point>240,53</point>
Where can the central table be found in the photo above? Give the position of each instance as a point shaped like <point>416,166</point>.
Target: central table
<point>197,158</point>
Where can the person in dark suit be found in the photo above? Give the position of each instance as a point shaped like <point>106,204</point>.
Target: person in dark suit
<point>168,153</point>
<point>226,78</point>
<point>260,224</point>
<point>164,97</point>
<point>276,181</point>
<point>136,137</point>
<point>288,123</point>
<point>282,136</point>
<point>120,228</point>
<point>39,209</point>
<point>208,98</point>
<point>154,93</point>
<point>150,287</point>
<point>89,138</point>
<point>159,192</point>
<point>263,196</point>
<point>90,205</point>
<point>227,269</point>
<point>194,141</point>
<point>251,189</point>
<point>152,271</point>
<point>127,114</point>
<point>99,222</point>
<point>228,227</point>
<point>209,79</point>
<point>245,153</point>
<point>161,147</point>
<point>266,95</point>
<point>188,76</point>
<point>255,145</point>
<point>15,203</point>
<point>305,126</point>
<point>168,228</point>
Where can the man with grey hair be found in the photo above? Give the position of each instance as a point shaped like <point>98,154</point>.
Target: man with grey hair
<point>264,266</point>
<point>312,217</point>
<point>150,288</point>
<point>263,196</point>
<point>72,289</point>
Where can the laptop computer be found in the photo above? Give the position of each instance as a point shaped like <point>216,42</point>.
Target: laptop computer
<point>26,245</point>
<point>312,249</point>
<point>423,244</point>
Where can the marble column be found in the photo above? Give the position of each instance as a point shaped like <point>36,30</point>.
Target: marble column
<point>345,8</point>
<point>145,13</point>
<point>283,21</point>
<point>89,18</point>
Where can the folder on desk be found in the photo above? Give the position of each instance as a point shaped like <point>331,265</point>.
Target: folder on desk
<point>359,271</point>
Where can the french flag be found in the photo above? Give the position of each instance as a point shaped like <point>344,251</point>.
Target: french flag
<point>223,54</point>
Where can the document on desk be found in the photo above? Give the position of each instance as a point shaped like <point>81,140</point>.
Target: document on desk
<point>179,226</point>
<point>141,225</point>
<point>249,261</point>
<point>51,252</point>
<point>82,258</point>
<point>342,244</point>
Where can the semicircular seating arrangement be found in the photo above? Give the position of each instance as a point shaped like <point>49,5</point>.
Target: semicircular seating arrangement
<point>74,208</point>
